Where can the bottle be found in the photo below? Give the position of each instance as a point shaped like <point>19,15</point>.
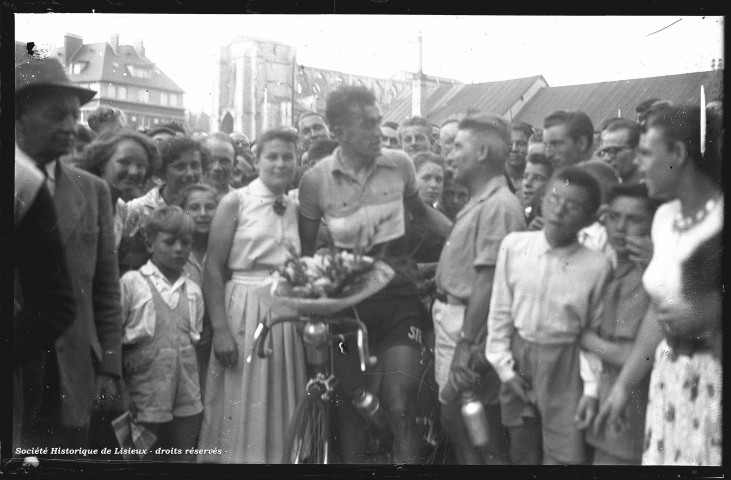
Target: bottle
<point>475,419</point>
<point>370,407</point>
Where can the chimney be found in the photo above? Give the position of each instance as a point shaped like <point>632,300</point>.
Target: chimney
<point>114,42</point>
<point>418,90</point>
<point>72,44</point>
<point>140,49</point>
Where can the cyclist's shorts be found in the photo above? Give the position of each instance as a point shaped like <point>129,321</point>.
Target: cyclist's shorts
<point>397,320</point>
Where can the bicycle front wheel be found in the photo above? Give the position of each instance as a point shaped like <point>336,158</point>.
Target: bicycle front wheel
<point>308,438</point>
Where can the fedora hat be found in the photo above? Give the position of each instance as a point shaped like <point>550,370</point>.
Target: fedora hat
<point>47,74</point>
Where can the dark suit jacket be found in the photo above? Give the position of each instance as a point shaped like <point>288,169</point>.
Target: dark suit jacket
<point>93,343</point>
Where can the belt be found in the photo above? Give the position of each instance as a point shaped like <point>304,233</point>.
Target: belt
<point>450,299</point>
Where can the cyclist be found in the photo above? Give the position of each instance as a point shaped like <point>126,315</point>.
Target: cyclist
<point>360,193</point>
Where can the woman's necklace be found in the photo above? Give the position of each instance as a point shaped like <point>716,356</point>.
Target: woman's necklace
<point>682,223</point>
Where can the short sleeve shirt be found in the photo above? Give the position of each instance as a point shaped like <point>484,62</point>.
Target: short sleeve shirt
<point>360,210</point>
<point>475,239</point>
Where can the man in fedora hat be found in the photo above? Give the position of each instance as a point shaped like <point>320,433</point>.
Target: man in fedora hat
<point>85,365</point>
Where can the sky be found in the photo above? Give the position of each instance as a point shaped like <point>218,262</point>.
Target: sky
<point>470,49</point>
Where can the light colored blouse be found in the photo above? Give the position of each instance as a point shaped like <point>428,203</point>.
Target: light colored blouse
<point>140,208</point>
<point>672,247</point>
<point>138,308</point>
<point>261,237</point>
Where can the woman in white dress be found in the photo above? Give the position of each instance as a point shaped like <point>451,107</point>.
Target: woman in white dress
<point>248,405</point>
<point>683,425</point>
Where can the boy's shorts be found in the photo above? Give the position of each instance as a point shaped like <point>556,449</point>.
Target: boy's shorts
<point>552,371</point>
<point>163,382</point>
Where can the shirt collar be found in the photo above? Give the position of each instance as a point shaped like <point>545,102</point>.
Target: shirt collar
<point>153,198</point>
<point>50,169</point>
<point>546,248</point>
<point>492,186</point>
<point>150,270</point>
<point>338,166</point>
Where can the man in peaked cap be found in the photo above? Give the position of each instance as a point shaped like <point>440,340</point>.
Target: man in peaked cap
<point>83,368</point>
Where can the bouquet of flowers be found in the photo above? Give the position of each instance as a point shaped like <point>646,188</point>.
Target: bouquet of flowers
<point>330,273</point>
<point>331,280</point>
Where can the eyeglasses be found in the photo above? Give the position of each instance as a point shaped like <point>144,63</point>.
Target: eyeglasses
<point>611,151</point>
<point>390,141</point>
<point>572,207</point>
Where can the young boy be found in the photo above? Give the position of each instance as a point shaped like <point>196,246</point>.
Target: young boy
<point>162,311</point>
<point>594,236</point>
<point>629,214</point>
<point>547,289</point>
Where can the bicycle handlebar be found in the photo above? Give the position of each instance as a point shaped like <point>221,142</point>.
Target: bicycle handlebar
<point>366,360</point>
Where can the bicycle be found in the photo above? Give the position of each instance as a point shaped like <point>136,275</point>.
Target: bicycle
<point>309,436</point>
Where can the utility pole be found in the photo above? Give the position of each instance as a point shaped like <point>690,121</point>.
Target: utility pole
<point>418,89</point>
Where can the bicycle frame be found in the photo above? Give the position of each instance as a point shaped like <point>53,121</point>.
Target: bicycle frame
<point>317,340</point>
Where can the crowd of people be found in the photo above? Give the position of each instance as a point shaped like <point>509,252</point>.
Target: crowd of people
<point>567,278</point>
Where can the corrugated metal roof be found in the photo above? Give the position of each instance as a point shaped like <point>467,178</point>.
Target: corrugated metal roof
<point>106,66</point>
<point>602,100</point>
<point>445,101</point>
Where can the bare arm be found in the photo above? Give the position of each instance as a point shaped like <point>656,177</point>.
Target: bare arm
<point>308,229</point>
<point>638,363</point>
<point>219,248</point>
<point>432,219</point>
<point>614,353</point>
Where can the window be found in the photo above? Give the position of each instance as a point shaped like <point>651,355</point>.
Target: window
<point>173,100</point>
<point>157,120</point>
<point>78,67</point>
<point>163,98</point>
<point>122,92</point>
<point>138,71</point>
<point>111,91</point>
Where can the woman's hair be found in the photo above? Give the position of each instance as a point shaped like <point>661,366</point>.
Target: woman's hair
<point>168,219</point>
<point>197,187</point>
<point>422,158</point>
<point>681,123</point>
<point>701,272</point>
<point>97,153</point>
<point>286,136</point>
<point>174,147</point>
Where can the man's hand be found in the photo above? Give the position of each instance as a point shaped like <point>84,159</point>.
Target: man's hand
<point>640,249</point>
<point>464,377</point>
<point>536,224</point>
<point>585,411</point>
<point>225,349</point>
<point>611,411</point>
<point>105,391</point>
<point>520,387</point>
